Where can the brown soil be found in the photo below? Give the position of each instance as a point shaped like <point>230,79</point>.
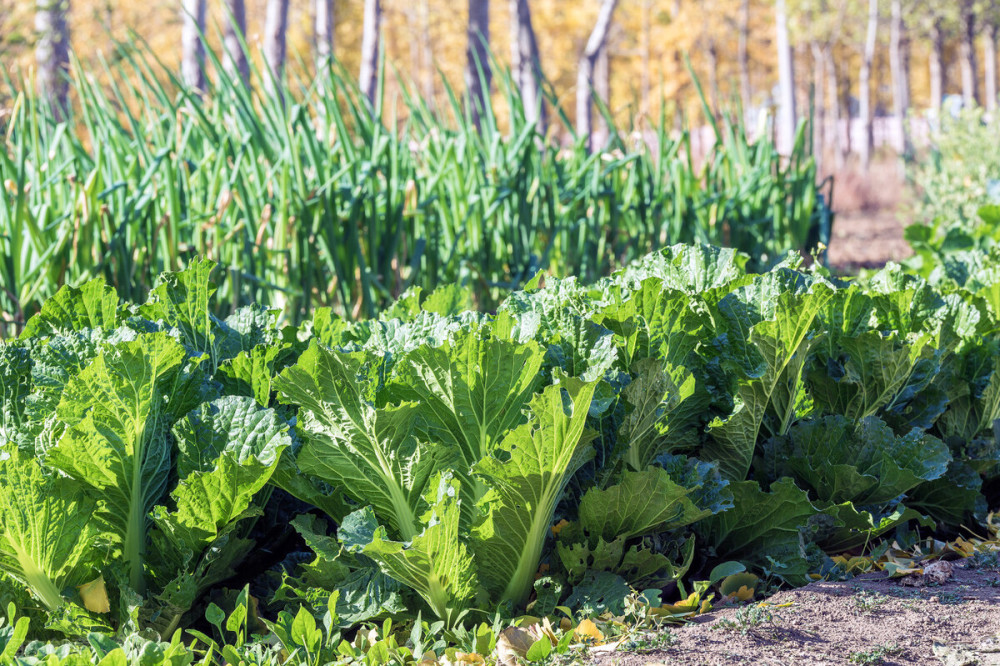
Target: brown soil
<point>866,239</point>
<point>956,623</point>
<point>867,231</point>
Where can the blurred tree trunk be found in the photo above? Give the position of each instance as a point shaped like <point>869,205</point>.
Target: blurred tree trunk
<point>743,58</point>
<point>819,103</point>
<point>864,83</point>
<point>275,32</point>
<point>370,34</point>
<point>52,53</point>
<point>936,66</point>
<point>713,76</point>
<point>602,89</point>
<point>900,75</point>
<point>478,74</point>
<point>234,30</point>
<point>990,65</point>
<point>967,55</point>
<point>585,73</point>
<point>833,95</point>
<point>526,64</point>
<point>786,81</point>
<point>192,44</point>
<point>647,49</point>
<point>324,32</point>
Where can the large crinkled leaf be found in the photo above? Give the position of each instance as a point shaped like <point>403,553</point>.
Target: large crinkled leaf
<point>436,563</point>
<point>663,409</point>
<point>694,269</point>
<point>94,305</point>
<point>15,384</point>
<point>526,476</point>
<point>372,455</point>
<point>180,300</point>
<point>850,527</point>
<point>655,322</point>
<point>471,392</point>
<point>774,360</point>
<point>247,328</point>
<point>227,451</point>
<point>365,593</point>
<point>641,503</point>
<point>761,525</point>
<point>559,318</point>
<point>871,373</point>
<point>863,463</point>
<point>49,529</point>
<point>116,443</point>
<point>953,499</point>
<point>252,373</point>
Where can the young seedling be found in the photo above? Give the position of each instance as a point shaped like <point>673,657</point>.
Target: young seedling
<point>748,620</point>
<point>876,655</point>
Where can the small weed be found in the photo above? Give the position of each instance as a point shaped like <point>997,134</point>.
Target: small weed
<point>984,559</point>
<point>950,598</point>
<point>876,655</point>
<point>650,641</point>
<point>866,601</point>
<point>748,619</point>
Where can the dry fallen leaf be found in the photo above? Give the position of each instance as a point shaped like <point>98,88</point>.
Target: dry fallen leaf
<point>95,596</point>
<point>513,644</point>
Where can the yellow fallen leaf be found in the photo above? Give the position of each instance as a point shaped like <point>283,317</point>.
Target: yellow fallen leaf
<point>95,596</point>
<point>557,528</point>
<point>587,632</point>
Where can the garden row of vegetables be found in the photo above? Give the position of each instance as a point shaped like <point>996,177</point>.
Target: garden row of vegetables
<point>443,468</point>
<point>316,199</point>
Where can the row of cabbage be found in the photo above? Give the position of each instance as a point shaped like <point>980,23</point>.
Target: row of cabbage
<point>580,443</point>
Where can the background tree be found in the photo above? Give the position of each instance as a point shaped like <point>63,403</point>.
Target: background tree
<point>786,80</point>
<point>967,52</point>
<point>234,30</point>
<point>899,68</point>
<point>52,51</point>
<point>192,43</point>
<point>323,22</point>
<point>585,72</point>
<point>478,74</point>
<point>275,45</point>
<point>990,20</point>
<point>371,31</point>
<point>526,66</point>
<point>865,108</point>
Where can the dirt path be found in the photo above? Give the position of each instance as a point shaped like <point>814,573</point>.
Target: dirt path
<point>868,620</point>
<point>866,239</point>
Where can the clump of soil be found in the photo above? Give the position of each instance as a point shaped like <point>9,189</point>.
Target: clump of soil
<point>871,619</point>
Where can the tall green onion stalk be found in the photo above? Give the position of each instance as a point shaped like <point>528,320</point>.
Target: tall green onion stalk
<point>316,199</point>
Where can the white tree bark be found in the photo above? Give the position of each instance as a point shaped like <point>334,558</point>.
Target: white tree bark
<point>990,66</point>
<point>864,83</point>
<point>324,32</point>
<point>787,117</point>
<point>585,72</point>
<point>52,52</point>
<point>967,56</point>
<point>234,30</point>
<point>900,75</point>
<point>371,29</point>
<point>478,74</point>
<point>743,59</point>
<point>275,30</point>
<point>192,46</point>
<point>935,66</point>
<point>525,63</point>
